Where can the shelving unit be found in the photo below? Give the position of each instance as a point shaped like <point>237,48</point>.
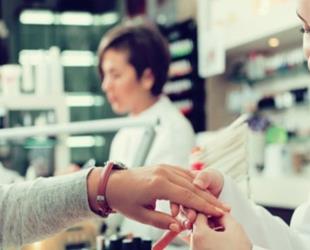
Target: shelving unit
<point>184,87</point>
<point>75,27</point>
<point>55,104</point>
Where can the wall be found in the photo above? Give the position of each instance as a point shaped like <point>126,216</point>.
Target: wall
<point>217,115</point>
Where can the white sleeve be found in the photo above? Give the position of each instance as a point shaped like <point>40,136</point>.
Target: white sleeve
<point>262,228</point>
<point>258,248</point>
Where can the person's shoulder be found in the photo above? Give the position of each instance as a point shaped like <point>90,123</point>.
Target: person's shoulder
<point>171,115</point>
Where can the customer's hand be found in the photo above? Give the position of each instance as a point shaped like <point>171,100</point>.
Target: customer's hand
<point>134,193</point>
<point>232,238</point>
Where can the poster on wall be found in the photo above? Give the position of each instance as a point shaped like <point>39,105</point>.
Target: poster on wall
<point>211,47</point>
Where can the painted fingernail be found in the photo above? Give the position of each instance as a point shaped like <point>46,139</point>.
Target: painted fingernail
<point>174,227</point>
<point>187,224</point>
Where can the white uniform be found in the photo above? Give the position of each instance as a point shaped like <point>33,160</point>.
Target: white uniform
<point>265,230</point>
<point>172,145</point>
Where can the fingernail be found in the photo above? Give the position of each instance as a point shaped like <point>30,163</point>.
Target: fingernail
<point>187,224</point>
<point>219,210</point>
<point>174,227</point>
<point>199,183</point>
<point>226,206</point>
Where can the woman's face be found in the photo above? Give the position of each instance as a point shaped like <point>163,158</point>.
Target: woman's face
<point>124,90</point>
<point>303,12</point>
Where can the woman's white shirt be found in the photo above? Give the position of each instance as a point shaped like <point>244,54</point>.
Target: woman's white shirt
<point>264,229</point>
<point>172,145</point>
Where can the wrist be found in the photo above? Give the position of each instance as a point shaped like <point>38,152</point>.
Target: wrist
<point>114,188</point>
<point>97,187</point>
<point>92,187</point>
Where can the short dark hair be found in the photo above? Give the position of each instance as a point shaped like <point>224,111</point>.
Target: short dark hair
<point>146,48</point>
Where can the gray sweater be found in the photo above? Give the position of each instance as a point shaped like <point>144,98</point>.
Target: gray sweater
<point>30,211</point>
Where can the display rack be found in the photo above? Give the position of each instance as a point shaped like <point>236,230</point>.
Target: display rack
<point>184,87</point>
<point>105,125</point>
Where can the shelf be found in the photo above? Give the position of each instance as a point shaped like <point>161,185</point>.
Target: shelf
<point>250,27</point>
<point>24,102</point>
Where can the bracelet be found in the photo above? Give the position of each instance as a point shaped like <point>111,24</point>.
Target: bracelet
<point>103,207</point>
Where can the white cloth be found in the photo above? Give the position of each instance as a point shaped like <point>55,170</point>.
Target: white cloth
<point>264,229</point>
<point>172,145</point>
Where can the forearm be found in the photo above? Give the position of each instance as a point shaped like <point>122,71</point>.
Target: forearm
<point>33,210</point>
<point>262,228</point>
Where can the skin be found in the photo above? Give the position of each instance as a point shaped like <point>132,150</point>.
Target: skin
<point>204,237</point>
<point>125,91</point>
<point>134,192</point>
<point>234,237</point>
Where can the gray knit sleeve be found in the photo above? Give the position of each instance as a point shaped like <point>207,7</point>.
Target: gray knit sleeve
<point>32,210</point>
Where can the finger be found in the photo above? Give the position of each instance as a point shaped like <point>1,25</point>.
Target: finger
<point>174,209</point>
<point>227,221</point>
<point>190,215</point>
<point>203,180</point>
<point>160,220</point>
<point>212,201</point>
<point>201,223</point>
<point>197,200</point>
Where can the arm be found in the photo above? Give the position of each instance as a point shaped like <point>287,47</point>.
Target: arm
<point>33,210</point>
<point>262,228</point>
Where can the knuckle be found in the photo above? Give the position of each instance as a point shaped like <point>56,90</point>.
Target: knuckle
<point>160,170</point>
<point>157,182</point>
<point>187,194</point>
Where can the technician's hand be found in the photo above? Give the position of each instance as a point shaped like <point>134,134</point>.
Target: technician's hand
<point>232,238</point>
<point>209,180</point>
<point>134,193</point>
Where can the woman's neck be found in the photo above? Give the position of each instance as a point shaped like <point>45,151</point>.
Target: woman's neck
<point>144,104</point>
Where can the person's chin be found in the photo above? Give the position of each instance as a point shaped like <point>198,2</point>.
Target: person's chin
<point>118,110</point>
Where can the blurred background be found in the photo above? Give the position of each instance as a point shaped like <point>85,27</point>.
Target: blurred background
<point>228,58</point>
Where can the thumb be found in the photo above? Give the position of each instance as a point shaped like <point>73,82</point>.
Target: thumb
<point>201,223</point>
<point>159,219</point>
<point>211,180</point>
<point>227,221</point>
